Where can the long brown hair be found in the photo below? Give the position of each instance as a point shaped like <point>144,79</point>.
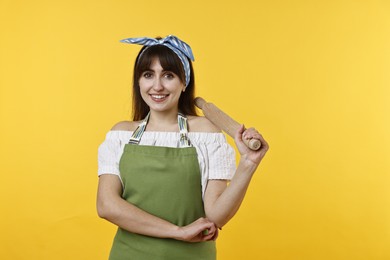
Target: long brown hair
<point>169,62</point>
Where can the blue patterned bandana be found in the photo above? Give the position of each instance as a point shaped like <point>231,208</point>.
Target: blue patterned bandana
<point>182,49</point>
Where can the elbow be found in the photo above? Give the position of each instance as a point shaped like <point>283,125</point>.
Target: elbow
<point>104,209</point>
<point>220,224</point>
<point>101,211</point>
<point>219,221</point>
<point>219,217</point>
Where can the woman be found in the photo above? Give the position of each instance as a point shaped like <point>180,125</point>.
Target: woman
<point>163,176</point>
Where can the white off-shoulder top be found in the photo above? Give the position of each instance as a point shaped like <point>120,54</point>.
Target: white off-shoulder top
<point>216,157</point>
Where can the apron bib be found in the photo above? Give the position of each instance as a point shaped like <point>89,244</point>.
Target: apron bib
<point>165,182</point>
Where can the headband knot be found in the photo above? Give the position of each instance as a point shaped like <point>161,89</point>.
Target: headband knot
<point>180,48</point>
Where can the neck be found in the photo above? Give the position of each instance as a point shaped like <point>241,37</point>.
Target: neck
<point>163,120</point>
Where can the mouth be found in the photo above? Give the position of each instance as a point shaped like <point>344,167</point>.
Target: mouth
<point>159,97</point>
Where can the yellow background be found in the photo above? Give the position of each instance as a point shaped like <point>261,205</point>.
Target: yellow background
<point>312,76</point>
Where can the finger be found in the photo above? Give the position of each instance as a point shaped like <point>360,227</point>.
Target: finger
<point>212,231</point>
<point>262,140</point>
<point>216,235</point>
<point>239,132</point>
<point>250,133</point>
<point>208,237</point>
<point>207,232</point>
<point>206,227</point>
<point>255,136</point>
<point>238,138</point>
<point>264,146</point>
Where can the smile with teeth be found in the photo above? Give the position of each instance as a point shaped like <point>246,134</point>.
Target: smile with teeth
<point>159,97</point>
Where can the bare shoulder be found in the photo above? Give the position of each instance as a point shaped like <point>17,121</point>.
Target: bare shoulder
<point>125,126</point>
<point>201,124</point>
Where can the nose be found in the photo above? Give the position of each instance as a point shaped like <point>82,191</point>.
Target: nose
<point>157,85</point>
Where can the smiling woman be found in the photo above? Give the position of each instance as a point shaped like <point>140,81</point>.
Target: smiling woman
<point>160,89</point>
<point>164,186</point>
<point>170,64</point>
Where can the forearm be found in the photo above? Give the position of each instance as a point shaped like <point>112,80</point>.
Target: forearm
<point>221,202</point>
<point>133,219</point>
<point>228,202</point>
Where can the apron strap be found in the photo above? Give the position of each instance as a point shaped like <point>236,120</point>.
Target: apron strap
<point>183,127</point>
<point>137,134</point>
<point>184,141</point>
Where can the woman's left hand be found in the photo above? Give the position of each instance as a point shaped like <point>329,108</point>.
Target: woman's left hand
<point>247,154</point>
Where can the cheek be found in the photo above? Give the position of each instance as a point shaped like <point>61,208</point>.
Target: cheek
<point>177,86</point>
<point>143,85</point>
<point>142,88</point>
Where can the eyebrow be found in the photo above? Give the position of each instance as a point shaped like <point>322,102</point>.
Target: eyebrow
<point>162,70</point>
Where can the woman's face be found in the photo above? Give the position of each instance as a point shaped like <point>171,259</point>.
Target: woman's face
<point>160,89</point>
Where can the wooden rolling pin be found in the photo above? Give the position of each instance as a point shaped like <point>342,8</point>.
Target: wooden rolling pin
<point>223,121</point>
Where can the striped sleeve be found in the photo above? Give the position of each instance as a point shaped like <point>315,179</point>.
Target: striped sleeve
<point>108,153</point>
<point>222,162</point>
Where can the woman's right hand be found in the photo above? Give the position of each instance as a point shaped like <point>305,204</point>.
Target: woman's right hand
<point>200,230</point>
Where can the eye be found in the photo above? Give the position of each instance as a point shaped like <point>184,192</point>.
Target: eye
<point>169,75</point>
<point>147,74</point>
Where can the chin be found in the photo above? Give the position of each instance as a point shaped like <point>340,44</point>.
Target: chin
<point>166,106</point>
<point>160,108</point>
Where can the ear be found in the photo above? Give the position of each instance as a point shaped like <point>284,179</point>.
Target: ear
<point>184,89</point>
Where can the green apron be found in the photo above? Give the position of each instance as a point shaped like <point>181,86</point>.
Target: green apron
<point>165,182</point>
